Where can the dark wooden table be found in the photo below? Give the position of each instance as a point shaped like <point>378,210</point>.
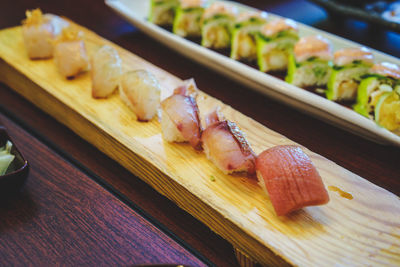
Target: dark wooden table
<point>81,208</point>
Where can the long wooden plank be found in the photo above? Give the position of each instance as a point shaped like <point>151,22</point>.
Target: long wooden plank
<point>361,231</point>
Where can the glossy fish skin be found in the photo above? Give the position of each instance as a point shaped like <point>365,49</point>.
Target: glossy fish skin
<point>290,178</point>
<point>226,146</point>
<point>182,111</point>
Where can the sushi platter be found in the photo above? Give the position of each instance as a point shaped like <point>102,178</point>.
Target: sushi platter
<point>361,230</point>
<point>329,111</point>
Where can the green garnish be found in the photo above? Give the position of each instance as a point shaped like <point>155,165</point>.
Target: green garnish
<point>5,157</point>
<point>212,178</point>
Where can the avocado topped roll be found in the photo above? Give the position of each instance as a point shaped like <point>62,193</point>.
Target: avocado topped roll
<point>349,65</point>
<point>387,111</point>
<point>383,77</point>
<point>187,22</point>
<point>162,12</point>
<point>310,62</point>
<point>275,41</point>
<point>217,22</point>
<point>248,24</point>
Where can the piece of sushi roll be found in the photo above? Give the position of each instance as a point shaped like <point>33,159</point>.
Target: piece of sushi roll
<point>275,42</point>
<point>217,23</point>
<point>387,111</point>
<point>39,31</point>
<point>70,54</point>
<point>310,62</point>
<point>106,71</point>
<point>140,91</point>
<point>247,25</point>
<point>162,12</point>
<point>383,77</point>
<point>187,22</point>
<point>349,65</point>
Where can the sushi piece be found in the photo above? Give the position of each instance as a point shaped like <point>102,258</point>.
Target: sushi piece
<point>383,77</point>
<point>217,23</point>
<point>290,179</point>
<point>187,22</point>
<point>162,12</point>
<point>226,146</point>
<point>387,111</point>
<point>39,32</point>
<point>310,62</point>
<point>106,71</point>
<point>140,91</point>
<point>180,120</point>
<point>243,44</point>
<point>70,54</point>
<point>275,42</point>
<point>349,64</point>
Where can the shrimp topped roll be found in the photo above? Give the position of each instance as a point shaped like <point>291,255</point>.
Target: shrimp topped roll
<point>187,22</point>
<point>244,33</point>
<point>162,12</point>
<point>275,42</point>
<point>180,120</point>
<point>383,77</point>
<point>106,71</point>
<point>226,146</point>
<point>140,91</point>
<point>217,22</point>
<point>310,62</point>
<point>70,54</point>
<point>39,31</point>
<point>349,65</point>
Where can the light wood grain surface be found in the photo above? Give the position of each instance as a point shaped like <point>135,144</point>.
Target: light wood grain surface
<point>362,231</point>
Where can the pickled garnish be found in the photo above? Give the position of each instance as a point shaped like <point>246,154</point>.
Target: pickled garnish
<point>340,191</point>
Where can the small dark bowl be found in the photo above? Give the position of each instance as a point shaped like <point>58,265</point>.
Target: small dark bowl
<point>13,182</point>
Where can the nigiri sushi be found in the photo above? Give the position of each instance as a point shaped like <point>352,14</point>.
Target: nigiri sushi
<point>247,25</point>
<point>39,31</point>
<point>226,146</point>
<point>217,22</point>
<point>180,120</point>
<point>106,71</point>
<point>290,179</point>
<point>310,62</point>
<point>349,65</point>
<point>70,54</point>
<point>383,77</point>
<point>162,12</point>
<point>140,90</point>
<point>275,41</point>
<point>187,22</point>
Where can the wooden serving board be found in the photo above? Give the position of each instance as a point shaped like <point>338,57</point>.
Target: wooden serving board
<point>363,231</point>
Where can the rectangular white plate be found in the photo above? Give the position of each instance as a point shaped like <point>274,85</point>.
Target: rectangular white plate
<point>136,12</point>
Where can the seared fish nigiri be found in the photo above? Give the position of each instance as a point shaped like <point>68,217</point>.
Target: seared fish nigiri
<point>226,146</point>
<point>39,31</point>
<point>291,180</point>
<point>180,117</point>
<point>106,71</point>
<point>140,90</point>
<point>70,54</point>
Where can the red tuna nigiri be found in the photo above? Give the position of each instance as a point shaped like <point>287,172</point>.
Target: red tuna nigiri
<point>290,178</point>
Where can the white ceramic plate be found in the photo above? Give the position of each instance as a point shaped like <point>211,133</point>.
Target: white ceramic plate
<point>136,12</point>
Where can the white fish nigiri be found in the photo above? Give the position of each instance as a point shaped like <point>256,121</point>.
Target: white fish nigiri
<point>140,90</point>
<point>180,120</point>
<point>106,71</point>
<point>39,32</point>
<point>70,54</point>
